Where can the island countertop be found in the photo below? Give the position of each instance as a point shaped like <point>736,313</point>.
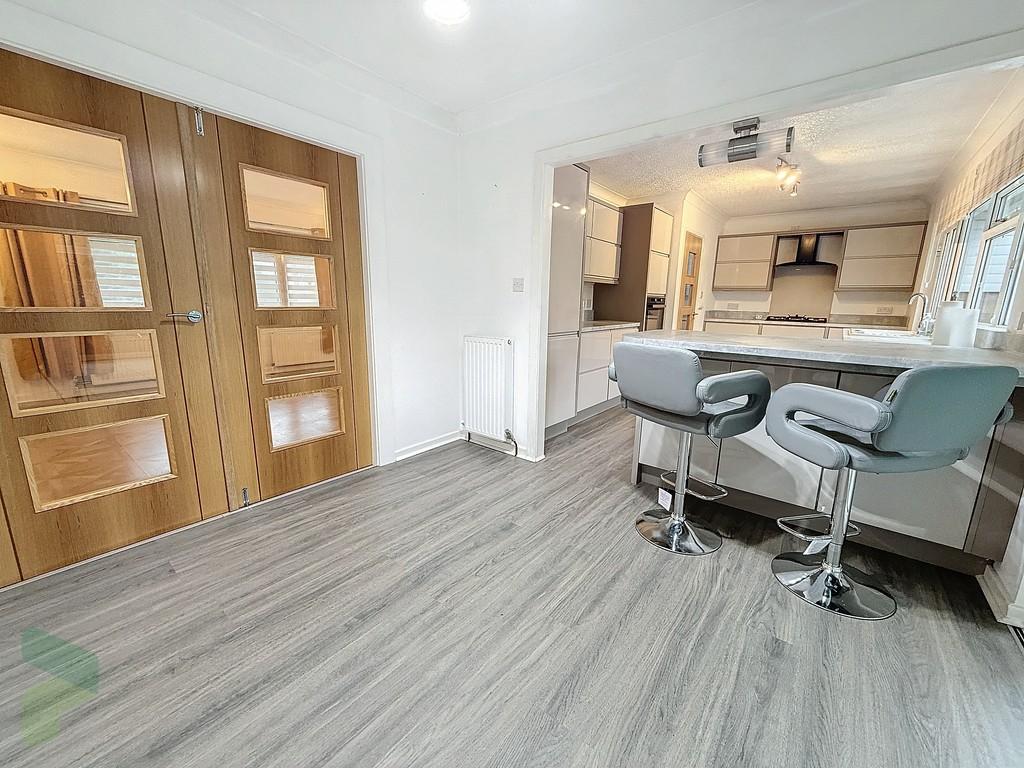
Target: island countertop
<point>839,354</point>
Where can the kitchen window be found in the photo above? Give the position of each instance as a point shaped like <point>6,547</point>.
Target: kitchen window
<point>986,271</point>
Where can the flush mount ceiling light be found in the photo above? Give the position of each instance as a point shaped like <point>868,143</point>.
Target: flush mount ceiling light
<point>747,144</point>
<point>447,12</point>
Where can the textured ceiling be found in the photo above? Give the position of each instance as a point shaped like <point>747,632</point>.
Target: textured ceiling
<point>893,147</point>
<point>505,46</point>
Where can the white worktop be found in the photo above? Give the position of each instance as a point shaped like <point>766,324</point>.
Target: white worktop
<point>606,325</point>
<point>828,352</point>
<point>804,323</point>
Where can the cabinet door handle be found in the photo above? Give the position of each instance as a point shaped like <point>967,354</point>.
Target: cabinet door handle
<point>193,315</point>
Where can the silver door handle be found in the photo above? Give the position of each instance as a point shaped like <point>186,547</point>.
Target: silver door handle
<point>193,315</point>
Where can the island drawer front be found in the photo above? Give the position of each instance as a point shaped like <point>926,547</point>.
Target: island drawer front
<point>743,329</point>
<point>753,462</point>
<point>936,505</point>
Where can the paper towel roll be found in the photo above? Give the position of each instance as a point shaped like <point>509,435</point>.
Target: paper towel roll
<point>955,326</point>
<point>944,305</point>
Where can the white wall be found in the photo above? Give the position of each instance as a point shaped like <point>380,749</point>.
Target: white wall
<point>408,166</point>
<point>703,219</point>
<point>697,77</point>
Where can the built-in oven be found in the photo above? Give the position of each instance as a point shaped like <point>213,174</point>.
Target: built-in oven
<point>654,319</point>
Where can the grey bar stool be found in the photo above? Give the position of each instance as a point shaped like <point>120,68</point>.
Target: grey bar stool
<point>927,418</point>
<point>667,386</point>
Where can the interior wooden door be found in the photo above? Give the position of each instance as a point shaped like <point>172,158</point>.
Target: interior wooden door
<point>9,570</point>
<point>292,208</point>
<point>689,274</point>
<point>95,442</point>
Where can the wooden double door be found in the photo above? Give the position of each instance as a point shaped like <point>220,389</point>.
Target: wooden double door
<point>181,316</point>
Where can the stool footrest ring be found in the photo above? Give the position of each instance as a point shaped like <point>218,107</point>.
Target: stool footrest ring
<point>669,479</point>
<point>785,524</point>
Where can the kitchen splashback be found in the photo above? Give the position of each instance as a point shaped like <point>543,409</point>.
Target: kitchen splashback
<point>796,292</point>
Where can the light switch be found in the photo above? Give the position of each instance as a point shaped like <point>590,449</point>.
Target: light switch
<point>518,284</point>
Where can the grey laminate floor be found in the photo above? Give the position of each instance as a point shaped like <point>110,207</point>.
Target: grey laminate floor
<point>466,609</point>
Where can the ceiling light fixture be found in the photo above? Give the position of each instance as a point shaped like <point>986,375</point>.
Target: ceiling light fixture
<point>795,189</point>
<point>447,12</point>
<point>747,144</point>
<point>788,175</point>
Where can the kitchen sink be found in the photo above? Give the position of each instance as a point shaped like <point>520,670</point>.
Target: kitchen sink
<point>884,335</point>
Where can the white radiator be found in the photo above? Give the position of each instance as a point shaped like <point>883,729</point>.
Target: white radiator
<point>487,386</point>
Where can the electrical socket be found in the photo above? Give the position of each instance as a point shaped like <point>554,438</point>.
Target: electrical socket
<point>732,305</point>
<point>883,310</point>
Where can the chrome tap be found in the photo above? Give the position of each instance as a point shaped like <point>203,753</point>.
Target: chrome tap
<point>924,326</point>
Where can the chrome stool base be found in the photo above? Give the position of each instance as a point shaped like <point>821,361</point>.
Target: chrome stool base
<point>683,537</point>
<point>846,591</point>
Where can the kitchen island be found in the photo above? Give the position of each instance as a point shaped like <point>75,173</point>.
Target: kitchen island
<point>958,517</point>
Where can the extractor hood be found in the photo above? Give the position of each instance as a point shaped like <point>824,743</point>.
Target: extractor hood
<point>806,255</point>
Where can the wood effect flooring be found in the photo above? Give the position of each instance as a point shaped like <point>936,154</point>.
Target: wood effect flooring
<point>463,608</point>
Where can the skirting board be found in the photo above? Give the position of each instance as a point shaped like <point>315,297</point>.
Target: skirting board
<point>999,601</point>
<point>434,442</point>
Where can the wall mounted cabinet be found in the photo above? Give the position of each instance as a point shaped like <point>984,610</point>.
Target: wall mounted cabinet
<point>601,261</point>
<point>744,263</point>
<point>881,258</point>
<point>602,251</point>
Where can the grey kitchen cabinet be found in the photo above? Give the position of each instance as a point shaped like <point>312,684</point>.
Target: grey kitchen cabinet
<point>936,505</point>
<point>753,462</point>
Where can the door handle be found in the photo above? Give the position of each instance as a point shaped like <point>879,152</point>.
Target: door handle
<point>193,315</point>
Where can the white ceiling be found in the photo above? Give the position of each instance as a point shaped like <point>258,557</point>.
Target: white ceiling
<point>506,45</point>
<point>892,147</point>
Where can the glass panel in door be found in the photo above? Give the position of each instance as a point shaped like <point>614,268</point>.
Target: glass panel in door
<point>44,160</point>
